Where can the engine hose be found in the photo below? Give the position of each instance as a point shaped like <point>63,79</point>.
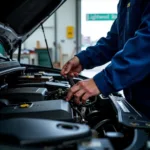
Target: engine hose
<point>101,123</point>
<point>92,113</point>
<point>78,112</point>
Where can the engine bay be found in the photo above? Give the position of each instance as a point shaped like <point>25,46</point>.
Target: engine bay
<point>33,112</point>
<point>39,96</point>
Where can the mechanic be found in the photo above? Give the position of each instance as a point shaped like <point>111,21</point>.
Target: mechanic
<point>127,47</point>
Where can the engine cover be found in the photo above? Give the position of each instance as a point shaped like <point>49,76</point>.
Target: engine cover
<point>25,94</point>
<point>29,132</point>
<point>53,109</point>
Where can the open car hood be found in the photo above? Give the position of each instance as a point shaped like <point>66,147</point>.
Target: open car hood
<point>19,19</point>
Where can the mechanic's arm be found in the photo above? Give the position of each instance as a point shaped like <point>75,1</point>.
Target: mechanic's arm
<point>129,65</point>
<point>102,52</point>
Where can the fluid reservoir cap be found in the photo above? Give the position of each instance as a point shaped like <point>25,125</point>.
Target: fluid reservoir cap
<point>24,106</point>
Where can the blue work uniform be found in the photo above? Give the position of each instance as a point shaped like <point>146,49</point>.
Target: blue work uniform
<point>127,46</point>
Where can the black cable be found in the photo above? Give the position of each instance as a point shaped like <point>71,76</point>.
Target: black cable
<point>82,118</point>
<point>70,80</point>
<point>101,123</point>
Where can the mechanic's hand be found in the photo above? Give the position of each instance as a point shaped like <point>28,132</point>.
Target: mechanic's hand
<point>82,91</point>
<point>72,67</point>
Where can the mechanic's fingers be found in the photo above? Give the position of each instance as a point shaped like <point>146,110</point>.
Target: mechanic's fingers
<point>78,95</point>
<point>76,74</point>
<point>71,74</point>
<point>67,68</point>
<point>63,70</point>
<point>85,97</point>
<point>71,92</point>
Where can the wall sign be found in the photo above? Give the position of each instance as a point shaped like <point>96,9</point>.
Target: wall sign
<point>100,17</point>
<point>70,32</point>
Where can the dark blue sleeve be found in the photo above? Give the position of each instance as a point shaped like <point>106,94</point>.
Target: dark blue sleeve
<point>131,64</point>
<point>102,52</point>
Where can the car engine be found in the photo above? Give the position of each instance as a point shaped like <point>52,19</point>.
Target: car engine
<point>36,97</point>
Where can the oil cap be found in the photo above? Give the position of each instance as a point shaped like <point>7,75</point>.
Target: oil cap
<point>24,105</point>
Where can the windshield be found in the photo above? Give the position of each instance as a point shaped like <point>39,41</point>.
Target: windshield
<point>2,50</point>
<point>3,54</point>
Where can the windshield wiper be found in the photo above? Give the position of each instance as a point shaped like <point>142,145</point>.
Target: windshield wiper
<point>4,58</point>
